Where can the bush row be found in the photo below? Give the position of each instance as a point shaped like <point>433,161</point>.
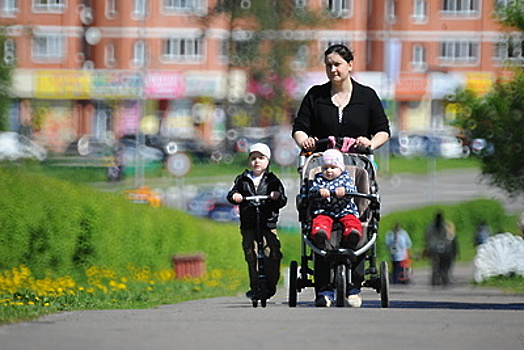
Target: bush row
<point>53,226</point>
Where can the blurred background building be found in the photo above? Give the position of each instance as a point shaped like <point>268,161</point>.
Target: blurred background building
<point>111,68</point>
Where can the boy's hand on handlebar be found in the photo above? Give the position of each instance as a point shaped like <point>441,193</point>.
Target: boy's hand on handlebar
<point>274,195</point>
<point>237,198</point>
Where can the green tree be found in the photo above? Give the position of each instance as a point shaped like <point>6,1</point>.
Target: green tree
<point>263,43</point>
<point>498,117</point>
<point>6,71</point>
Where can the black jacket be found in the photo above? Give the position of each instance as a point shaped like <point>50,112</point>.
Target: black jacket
<point>363,116</point>
<point>268,212</point>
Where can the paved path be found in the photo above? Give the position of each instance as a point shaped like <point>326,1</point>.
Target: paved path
<point>420,317</point>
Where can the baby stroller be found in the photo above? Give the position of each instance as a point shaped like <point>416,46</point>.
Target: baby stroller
<point>341,261</point>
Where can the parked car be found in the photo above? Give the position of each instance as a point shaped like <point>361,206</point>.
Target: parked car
<point>14,146</point>
<point>445,146</point>
<point>128,149</point>
<point>212,203</point>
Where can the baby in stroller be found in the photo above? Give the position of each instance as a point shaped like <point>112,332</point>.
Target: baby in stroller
<point>339,210</point>
<point>331,185</point>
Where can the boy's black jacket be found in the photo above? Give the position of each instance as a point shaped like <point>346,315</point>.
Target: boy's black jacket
<point>268,212</point>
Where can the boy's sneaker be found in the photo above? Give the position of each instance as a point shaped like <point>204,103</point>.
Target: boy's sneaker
<point>323,301</point>
<point>355,300</point>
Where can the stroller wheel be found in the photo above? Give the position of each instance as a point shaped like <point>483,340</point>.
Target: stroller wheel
<point>255,303</point>
<point>292,293</point>
<point>263,302</point>
<point>384,284</point>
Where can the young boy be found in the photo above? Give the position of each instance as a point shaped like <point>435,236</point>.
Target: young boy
<point>260,181</point>
<point>331,185</point>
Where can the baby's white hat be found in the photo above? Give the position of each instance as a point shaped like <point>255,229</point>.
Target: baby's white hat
<point>262,148</point>
<point>333,157</point>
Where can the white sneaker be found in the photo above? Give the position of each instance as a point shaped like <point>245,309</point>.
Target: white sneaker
<point>355,300</point>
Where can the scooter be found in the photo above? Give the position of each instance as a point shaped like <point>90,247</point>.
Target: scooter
<point>262,293</point>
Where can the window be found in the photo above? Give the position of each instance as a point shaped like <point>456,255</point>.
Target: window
<point>48,5</point>
<point>420,14</point>
<point>185,6</point>
<point>338,8</point>
<point>111,8</point>
<point>511,50</point>
<point>109,55</point>
<point>418,61</point>
<point>8,8</point>
<point>301,4</point>
<point>183,49</point>
<point>459,52</point>
<point>48,47</point>
<point>139,54</point>
<point>391,15</point>
<point>300,59</point>
<point>9,54</point>
<point>140,9</point>
<point>459,7</point>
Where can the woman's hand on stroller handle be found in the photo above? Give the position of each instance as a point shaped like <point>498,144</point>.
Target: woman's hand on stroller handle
<point>345,144</point>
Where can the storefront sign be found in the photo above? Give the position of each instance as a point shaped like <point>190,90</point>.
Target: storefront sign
<point>116,84</point>
<point>62,84</point>
<point>164,84</point>
<point>209,84</point>
<point>411,87</point>
<point>479,82</point>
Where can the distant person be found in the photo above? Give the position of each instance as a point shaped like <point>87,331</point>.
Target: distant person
<point>482,233</point>
<point>441,247</point>
<point>399,243</point>
<point>259,181</point>
<point>521,224</point>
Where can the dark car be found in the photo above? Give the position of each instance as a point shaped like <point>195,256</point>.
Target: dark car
<point>212,203</point>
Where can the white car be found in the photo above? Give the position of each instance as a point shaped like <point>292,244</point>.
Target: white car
<point>14,146</point>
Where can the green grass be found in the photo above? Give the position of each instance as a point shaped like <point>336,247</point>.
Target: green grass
<point>512,284</point>
<point>26,302</point>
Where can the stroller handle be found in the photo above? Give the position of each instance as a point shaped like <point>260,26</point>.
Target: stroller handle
<point>340,143</point>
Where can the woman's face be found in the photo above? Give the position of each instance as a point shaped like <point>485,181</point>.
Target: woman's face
<point>337,68</point>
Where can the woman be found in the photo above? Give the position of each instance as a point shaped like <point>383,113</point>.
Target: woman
<point>341,108</point>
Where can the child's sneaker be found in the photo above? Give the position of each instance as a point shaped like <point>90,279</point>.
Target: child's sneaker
<point>320,239</point>
<point>323,301</point>
<point>352,240</point>
<point>250,294</point>
<point>355,300</point>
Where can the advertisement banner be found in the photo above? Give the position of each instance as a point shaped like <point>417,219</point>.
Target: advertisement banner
<point>114,84</point>
<point>164,85</point>
<point>62,84</point>
<point>479,82</point>
<point>411,87</point>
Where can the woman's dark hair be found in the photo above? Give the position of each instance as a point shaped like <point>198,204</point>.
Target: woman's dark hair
<point>340,50</point>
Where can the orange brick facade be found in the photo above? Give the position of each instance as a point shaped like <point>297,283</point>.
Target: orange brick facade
<point>102,66</point>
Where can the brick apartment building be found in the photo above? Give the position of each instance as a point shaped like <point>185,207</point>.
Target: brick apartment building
<point>113,67</point>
